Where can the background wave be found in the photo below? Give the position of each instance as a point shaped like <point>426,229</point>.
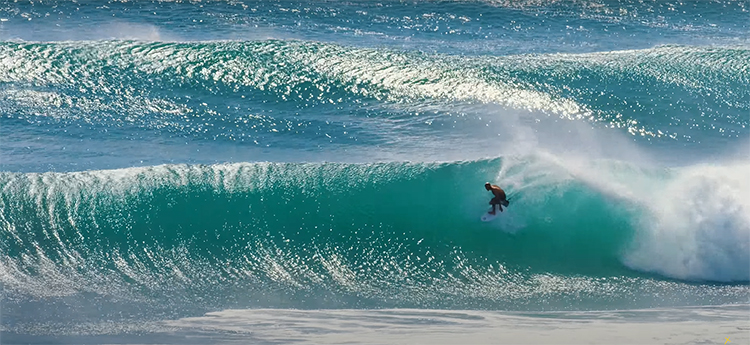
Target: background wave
<point>222,90</point>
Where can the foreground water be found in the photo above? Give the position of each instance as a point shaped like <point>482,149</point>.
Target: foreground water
<point>303,165</point>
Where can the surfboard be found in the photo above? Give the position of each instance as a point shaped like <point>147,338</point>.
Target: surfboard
<point>486,217</point>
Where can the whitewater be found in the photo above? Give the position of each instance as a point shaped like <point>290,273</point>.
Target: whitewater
<point>313,172</point>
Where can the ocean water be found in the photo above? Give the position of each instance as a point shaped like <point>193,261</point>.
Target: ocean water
<point>312,171</point>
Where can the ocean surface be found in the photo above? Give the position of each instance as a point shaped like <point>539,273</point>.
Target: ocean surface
<point>280,172</point>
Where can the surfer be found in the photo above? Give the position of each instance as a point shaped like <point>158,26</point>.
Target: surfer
<point>500,200</point>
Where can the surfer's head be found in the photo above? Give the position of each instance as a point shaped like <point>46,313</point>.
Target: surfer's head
<point>487,186</point>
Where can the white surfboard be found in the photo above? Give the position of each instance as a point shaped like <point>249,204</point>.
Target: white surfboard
<point>487,216</point>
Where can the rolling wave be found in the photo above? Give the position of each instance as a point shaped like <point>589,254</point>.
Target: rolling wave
<point>375,235</point>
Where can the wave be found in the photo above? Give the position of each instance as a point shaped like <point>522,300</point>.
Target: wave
<point>222,89</point>
<point>408,233</point>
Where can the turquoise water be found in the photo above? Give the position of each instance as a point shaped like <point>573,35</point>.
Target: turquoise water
<point>167,159</point>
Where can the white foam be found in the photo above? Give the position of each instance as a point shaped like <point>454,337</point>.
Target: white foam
<point>698,227</point>
<point>426,326</point>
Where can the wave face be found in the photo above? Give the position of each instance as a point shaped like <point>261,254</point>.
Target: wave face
<point>368,235</point>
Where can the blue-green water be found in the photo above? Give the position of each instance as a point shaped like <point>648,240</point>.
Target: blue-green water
<point>165,159</point>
